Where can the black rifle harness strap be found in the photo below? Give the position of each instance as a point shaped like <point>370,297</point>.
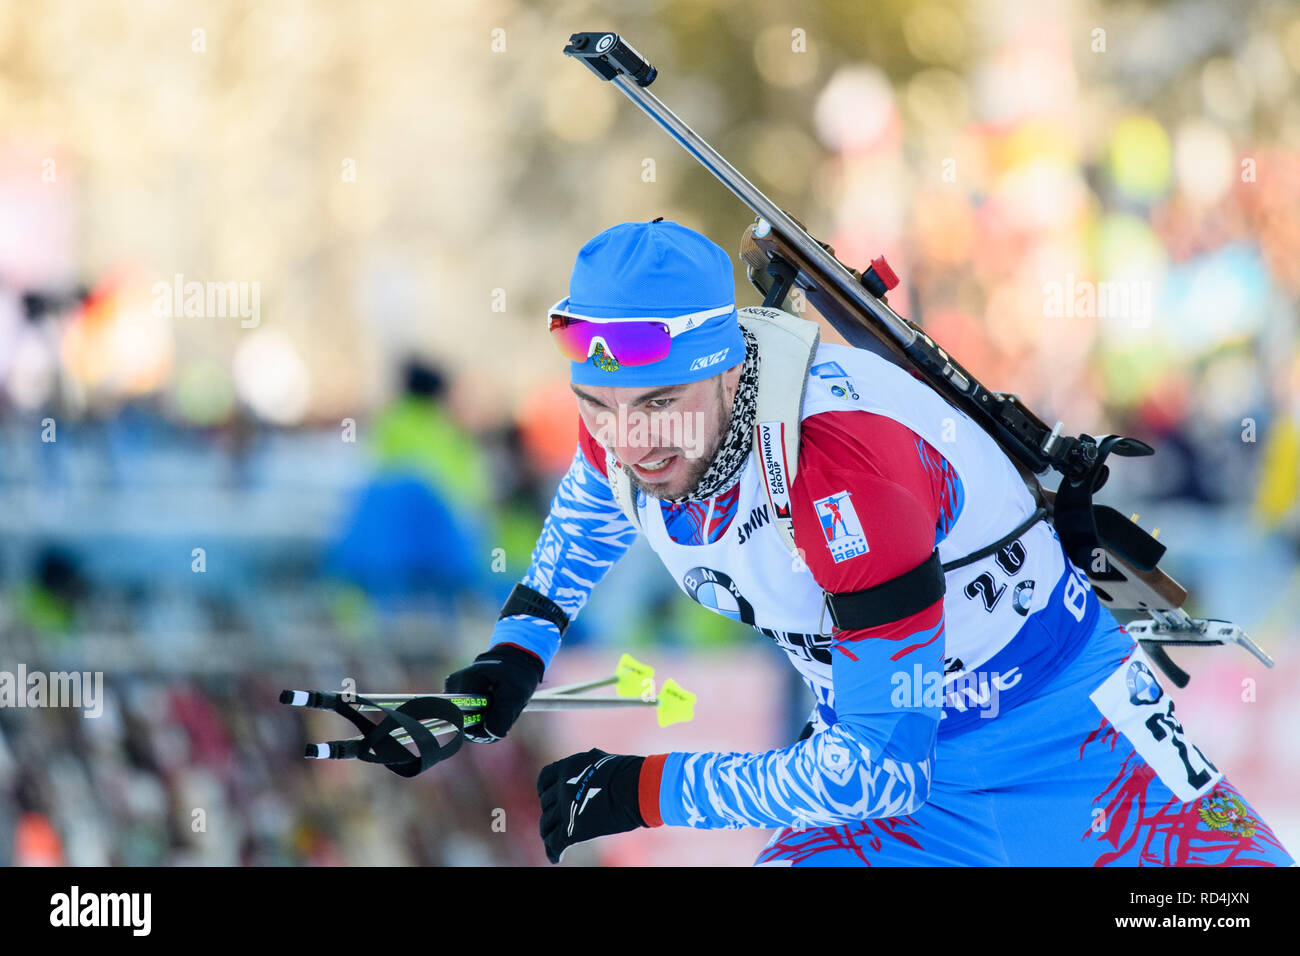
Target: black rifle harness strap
<point>1085,527</point>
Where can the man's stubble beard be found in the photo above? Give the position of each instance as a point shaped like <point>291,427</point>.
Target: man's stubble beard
<point>698,466</point>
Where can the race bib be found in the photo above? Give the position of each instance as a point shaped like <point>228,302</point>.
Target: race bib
<point>1138,707</point>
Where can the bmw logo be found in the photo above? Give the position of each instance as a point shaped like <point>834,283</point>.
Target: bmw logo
<point>719,593</point>
<point>604,43</point>
<point>1143,688</point>
<point>1023,597</point>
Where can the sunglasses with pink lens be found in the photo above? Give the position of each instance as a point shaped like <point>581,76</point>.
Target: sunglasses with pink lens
<point>629,341</point>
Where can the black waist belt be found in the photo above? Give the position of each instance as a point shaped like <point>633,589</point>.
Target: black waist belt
<point>912,591</point>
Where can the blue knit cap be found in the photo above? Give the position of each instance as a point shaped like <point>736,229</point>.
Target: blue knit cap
<point>662,270</point>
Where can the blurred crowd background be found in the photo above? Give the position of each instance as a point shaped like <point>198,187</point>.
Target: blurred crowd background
<point>341,474</point>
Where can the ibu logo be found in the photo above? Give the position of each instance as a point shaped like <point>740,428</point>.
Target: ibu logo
<point>841,527</point>
<point>837,380</point>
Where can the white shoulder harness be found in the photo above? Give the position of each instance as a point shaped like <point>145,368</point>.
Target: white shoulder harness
<point>786,345</point>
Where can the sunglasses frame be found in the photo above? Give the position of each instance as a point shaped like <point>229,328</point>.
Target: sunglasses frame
<point>675,325</point>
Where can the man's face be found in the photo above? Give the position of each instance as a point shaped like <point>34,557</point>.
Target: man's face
<point>666,435</point>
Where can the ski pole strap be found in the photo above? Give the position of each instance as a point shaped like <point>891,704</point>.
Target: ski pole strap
<point>377,744</point>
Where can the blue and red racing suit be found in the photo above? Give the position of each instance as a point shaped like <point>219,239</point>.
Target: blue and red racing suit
<point>1013,721</point>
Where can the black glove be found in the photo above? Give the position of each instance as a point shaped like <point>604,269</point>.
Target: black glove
<point>507,676</point>
<point>587,796</point>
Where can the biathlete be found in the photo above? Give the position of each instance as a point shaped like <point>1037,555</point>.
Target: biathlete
<point>976,705</point>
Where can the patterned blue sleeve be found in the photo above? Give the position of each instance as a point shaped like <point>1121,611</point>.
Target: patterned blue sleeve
<point>875,760</point>
<point>584,534</point>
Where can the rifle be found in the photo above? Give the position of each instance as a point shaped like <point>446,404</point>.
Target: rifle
<point>1118,556</point>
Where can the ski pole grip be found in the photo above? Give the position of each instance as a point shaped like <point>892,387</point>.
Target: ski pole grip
<point>335,750</point>
<point>315,699</point>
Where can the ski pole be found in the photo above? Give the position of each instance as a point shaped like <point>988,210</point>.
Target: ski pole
<point>674,705</point>
<point>420,718</point>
